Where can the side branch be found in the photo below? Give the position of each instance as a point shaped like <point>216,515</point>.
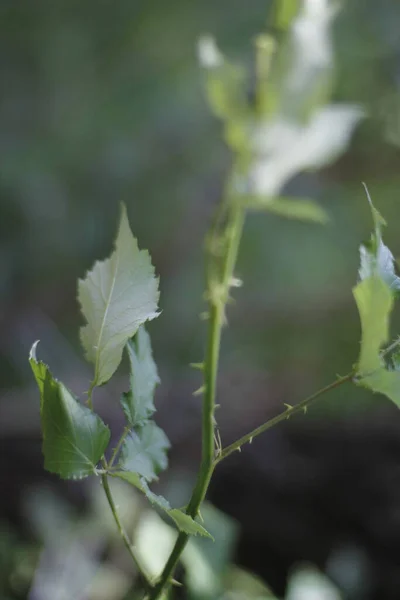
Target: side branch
<point>301,406</point>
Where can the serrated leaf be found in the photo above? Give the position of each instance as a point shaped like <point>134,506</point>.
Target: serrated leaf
<point>145,451</point>
<point>138,403</point>
<point>375,302</point>
<point>303,209</point>
<point>375,257</point>
<point>183,521</point>
<point>74,438</point>
<point>117,296</point>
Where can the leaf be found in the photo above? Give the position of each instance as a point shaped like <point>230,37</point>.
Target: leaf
<point>116,297</point>
<point>374,301</point>
<point>183,521</point>
<point>282,148</point>
<point>74,438</point>
<point>376,258</point>
<point>144,452</point>
<point>286,10</point>
<point>138,403</point>
<point>225,83</point>
<point>299,208</point>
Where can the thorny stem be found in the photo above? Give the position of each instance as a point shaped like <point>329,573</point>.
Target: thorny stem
<point>218,284</point>
<point>301,406</point>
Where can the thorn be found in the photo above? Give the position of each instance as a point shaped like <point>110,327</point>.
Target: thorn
<point>176,582</point>
<point>204,316</point>
<point>200,391</point>
<point>305,410</point>
<point>251,440</point>
<point>239,449</point>
<point>235,282</point>
<point>288,406</point>
<point>199,366</point>
<point>200,516</point>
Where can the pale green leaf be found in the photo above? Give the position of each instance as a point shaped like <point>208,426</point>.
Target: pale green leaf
<point>374,301</point>
<point>74,438</point>
<point>301,209</point>
<point>138,403</point>
<point>117,296</point>
<point>183,521</point>
<point>145,451</point>
<point>384,381</point>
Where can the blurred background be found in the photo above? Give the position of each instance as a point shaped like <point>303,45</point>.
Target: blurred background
<point>103,102</point>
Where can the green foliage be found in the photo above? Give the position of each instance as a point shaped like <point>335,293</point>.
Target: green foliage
<point>74,438</point>
<point>376,258</point>
<point>286,125</point>
<point>116,297</point>
<point>138,403</point>
<point>183,521</point>
<point>144,451</point>
<point>375,296</point>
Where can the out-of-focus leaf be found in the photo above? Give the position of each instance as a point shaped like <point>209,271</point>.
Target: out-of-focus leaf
<point>138,403</point>
<point>225,82</point>
<point>285,12</point>
<point>283,148</point>
<point>116,297</point>
<point>303,209</point>
<point>145,452</point>
<point>74,438</point>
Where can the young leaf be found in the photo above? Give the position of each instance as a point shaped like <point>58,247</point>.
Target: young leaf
<point>116,297</point>
<point>376,258</point>
<point>144,452</point>
<point>138,403</point>
<point>74,438</point>
<point>183,521</point>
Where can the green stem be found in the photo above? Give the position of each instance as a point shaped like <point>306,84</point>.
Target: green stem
<point>118,447</point>
<point>301,406</point>
<point>217,295</point>
<point>110,499</point>
<point>123,533</point>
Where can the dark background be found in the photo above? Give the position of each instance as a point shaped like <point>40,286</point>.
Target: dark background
<point>102,102</point>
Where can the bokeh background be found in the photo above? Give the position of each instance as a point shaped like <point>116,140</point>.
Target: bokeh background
<point>103,102</point>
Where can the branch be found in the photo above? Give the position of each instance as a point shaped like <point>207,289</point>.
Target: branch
<point>301,406</point>
<point>123,533</point>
